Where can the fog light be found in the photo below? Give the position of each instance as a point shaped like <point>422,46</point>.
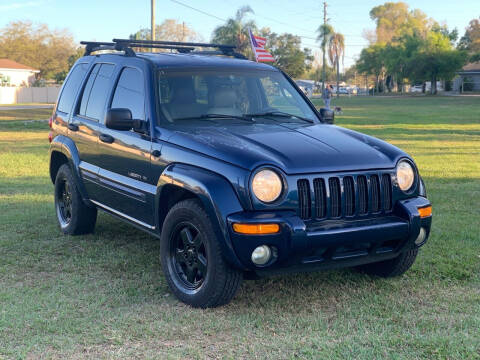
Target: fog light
<point>421,236</point>
<point>261,255</point>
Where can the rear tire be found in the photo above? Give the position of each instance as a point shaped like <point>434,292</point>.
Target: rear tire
<point>73,215</point>
<point>393,267</point>
<point>192,258</point>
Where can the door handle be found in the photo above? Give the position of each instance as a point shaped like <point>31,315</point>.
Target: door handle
<point>72,127</point>
<point>156,153</point>
<point>106,138</point>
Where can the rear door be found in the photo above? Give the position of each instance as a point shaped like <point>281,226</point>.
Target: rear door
<point>85,124</point>
<point>125,171</point>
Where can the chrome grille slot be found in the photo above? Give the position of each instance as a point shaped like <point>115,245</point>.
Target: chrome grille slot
<point>375,191</point>
<point>349,192</point>
<point>387,192</point>
<point>335,197</point>
<point>320,198</point>
<point>304,201</point>
<point>362,195</point>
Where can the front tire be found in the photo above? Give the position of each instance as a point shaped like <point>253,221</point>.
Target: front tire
<point>73,215</point>
<point>393,267</point>
<point>192,259</point>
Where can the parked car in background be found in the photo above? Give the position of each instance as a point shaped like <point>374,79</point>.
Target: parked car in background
<point>417,88</point>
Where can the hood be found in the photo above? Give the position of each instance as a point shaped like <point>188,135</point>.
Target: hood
<point>294,148</point>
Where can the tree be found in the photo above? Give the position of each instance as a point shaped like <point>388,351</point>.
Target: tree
<point>288,54</point>
<point>372,62</point>
<point>169,30</point>
<point>471,40</point>
<point>399,59</point>
<point>235,31</point>
<point>324,31</point>
<point>336,50</point>
<point>394,19</point>
<point>60,76</point>
<point>437,59</point>
<point>37,46</point>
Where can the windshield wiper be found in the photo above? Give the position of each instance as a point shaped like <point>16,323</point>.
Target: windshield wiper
<point>278,113</point>
<point>216,116</point>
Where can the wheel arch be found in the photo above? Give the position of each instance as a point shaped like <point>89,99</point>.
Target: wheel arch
<point>179,182</point>
<point>63,150</point>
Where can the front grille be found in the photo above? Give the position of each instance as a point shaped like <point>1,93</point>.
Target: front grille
<point>344,196</point>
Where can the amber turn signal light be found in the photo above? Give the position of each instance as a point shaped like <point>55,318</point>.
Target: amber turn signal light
<point>425,211</point>
<point>256,229</point>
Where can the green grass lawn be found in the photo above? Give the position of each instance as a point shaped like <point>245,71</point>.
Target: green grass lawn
<point>104,296</point>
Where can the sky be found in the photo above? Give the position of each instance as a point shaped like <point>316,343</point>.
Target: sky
<point>102,20</point>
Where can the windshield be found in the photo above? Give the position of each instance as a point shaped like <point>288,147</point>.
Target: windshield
<point>228,95</point>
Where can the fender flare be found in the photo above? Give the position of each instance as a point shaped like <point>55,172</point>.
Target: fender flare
<point>67,147</point>
<point>215,193</point>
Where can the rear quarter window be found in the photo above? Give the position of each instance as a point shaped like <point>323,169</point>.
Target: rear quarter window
<point>96,91</point>
<point>73,82</point>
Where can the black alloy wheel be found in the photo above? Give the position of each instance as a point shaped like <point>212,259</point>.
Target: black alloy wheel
<point>64,203</point>
<point>192,257</point>
<point>189,256</point>
<point>73,215</point>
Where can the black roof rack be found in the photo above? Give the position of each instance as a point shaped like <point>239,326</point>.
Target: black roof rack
<point>126,45</point>
<point>92,46</point>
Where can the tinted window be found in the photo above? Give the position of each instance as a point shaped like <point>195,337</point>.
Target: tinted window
<point>129,93</point>
<point>96,91</point>
<point>88,89</point>
<point>71,86</point>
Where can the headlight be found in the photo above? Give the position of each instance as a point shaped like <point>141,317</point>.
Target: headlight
<point>405,175</point>
<point>267,185</point>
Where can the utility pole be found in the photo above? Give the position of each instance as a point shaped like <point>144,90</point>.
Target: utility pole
<point>152,20</point>
<point>324,70</point>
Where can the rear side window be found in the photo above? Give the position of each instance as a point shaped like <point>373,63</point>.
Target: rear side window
<point>130,93</point>
<point>71,86</point>
<point>95,93</point>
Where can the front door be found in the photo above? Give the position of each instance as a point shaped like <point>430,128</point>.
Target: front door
<point>125,171</point>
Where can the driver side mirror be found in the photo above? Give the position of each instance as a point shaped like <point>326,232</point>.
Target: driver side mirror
<point>328,116</point>
<point>119,119</point>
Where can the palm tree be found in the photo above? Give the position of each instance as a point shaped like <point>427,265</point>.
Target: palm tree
<point>336,50</point>
<point>325,31</point>
<point>235,31</point>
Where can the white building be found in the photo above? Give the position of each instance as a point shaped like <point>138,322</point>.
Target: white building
<point>15,74</point>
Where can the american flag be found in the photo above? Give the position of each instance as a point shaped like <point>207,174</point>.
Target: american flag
<point>258,47</point>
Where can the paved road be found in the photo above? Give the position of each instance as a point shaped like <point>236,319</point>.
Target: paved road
<point>22,107</point>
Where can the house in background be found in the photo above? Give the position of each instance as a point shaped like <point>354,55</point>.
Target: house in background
<point>16,74</point>
<point>468,78</point>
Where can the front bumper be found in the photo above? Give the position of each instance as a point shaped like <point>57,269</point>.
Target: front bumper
<point>304,246</point>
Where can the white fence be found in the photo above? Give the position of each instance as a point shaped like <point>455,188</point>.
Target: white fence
<point>21,95</point>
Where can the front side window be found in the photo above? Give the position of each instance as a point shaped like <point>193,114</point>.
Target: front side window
<point>130,93</point>
<point>96,91</point>
<point>227,95</point>
<point>71,86</point>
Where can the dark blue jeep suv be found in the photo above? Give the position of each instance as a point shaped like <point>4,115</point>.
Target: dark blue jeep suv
<point>230,165</point>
